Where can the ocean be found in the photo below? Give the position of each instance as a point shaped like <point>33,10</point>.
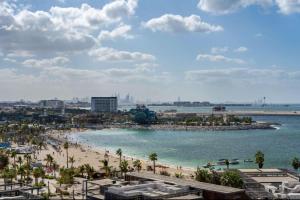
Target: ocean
<point>196,148</point>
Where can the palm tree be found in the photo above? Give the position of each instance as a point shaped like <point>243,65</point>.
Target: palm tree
<point>28,158</point>
<point>20,161</point>
<point>81,169</point>
<point>106,167</point>
<point>9,173</point>
<point>153,158</point>
<point>40,145</point>
<point>55,167</point>
<point>260,158</point>
<point>21,171</point>
<point>49,160</point>
<point>36,174</point>
<point>66,147</point>
<point>119,153</point>
<point>89,170</point>
<point>14,155</point>
<point>72,160</point>
<point>295,163</point>
<point>4,161</point>
<point>227,163</point>
<point>124,166</point>
<point>137,164</point>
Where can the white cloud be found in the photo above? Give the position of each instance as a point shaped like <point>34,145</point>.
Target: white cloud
<point>241,74</point>
<point>288,6</point>
<point>121,31</point>
<point>9,60</point>
<point>178,23</point>
<point>46,63</point>
<point>229,6</point>
<point>110,54</point>
<point>217,50</point>
<point>241,49</point>
<point>20,53</point>
<point>218,58</point>
<point>59,29</point>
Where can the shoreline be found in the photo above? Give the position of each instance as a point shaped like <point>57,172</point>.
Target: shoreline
<point>159,127</point>
<point>84,153</point>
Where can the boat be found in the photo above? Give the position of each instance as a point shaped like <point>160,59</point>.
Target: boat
<point>248,160</point>
<point>234,162</point>
<point>222,161</point>
<point>209,165</point>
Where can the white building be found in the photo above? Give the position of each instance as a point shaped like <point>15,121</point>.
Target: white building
<point>104,104</point>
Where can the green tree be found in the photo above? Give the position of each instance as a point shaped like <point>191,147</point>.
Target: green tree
<point>9,173</point>
<point>119,153</point>
<point>137,164</point>
<point>124,166</point>
<point>89,170</point>
<point>140,118</point>
<point>106,167</point>
<point>49,160</point>
<point>153,158</point>
<point>66,176</point>
<point>81,169</point>
<point>55,167</point>
<point>20,161</point>
<point>227,163</point>
<point>36,174</point>
<point>231,179</point>
<point>66,147</point>
<point>4,161</point>
<point>21,171</point>
<point>259,158</point>
<point>202,175</point>
<point>295,163</point>
<point>14,155</point>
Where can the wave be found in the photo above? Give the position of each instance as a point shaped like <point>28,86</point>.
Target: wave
<point>276,127</point>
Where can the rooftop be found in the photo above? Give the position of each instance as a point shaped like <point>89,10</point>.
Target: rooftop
<point>192,183</point>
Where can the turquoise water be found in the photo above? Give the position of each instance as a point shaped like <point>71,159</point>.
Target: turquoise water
<point>192,149</point>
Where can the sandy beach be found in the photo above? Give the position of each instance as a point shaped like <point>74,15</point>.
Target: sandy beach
<point>84,154</point>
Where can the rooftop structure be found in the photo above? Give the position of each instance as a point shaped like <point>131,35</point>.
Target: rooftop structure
<point>271,183</point>
<point>150,190</point>
<point>110,189</point>
<point>104,104</point>
<point>19,191</point>
<point>210,191</point>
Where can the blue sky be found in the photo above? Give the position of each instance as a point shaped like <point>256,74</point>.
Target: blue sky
<point>215,50</point>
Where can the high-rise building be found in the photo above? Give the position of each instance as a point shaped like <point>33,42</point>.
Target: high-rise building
<point>104,104</point>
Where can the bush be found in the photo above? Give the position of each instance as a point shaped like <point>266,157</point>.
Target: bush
<point>203,175</point>
<point>231,179</point>
<point>40,184</point>
<point>164,173</point>
<point>66,176</point>
<point>49,177</point>
<point>179,175</point>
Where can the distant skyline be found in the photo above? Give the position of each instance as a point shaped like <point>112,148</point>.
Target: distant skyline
<point>202,50</point>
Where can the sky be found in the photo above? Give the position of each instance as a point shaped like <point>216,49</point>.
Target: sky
<point>158,50</point>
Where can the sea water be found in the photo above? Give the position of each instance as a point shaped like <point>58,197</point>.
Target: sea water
<point>196,148</point>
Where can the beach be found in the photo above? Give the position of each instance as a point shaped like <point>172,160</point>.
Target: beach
<point>85,154</point>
